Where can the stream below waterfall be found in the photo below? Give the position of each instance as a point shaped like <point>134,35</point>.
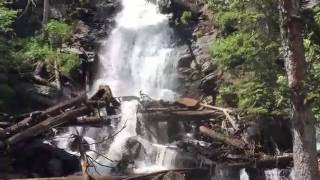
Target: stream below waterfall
<point>135,61</point>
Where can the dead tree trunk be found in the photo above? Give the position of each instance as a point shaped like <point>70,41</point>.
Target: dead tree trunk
<point>47,124</point>
<point>57,75</point>
<point>223,138</point>
<point>46,8</point>
<point>304,142</point>
<point>37,75</point>
<point>36,117</point>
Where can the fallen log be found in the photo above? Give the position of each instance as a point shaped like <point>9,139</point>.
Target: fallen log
<point>223,138</point>
<point>179,115</point>
<point>38,116</point>
<point>189,102</point>
<point>94,121</point>
<point>270,162</point>
<point>193,103</point>
<point>57,76</point>
<point>196,171</point>
<point>167,109</point>
<point>47,124</point>
<point>77,178</point>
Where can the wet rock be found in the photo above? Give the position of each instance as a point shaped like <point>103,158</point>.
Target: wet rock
<point>165,6</point>
<point>78,143</point>
<point>104,9</point>
<point>208,83</point>
<point>202,46</point>
<point>55,167</point>
<point>207,67</point>
<point>223,173</point>
<point>58,10</point>
<point>174,176</point>
<point>37,94</point>
<point>133,149</point>
<point>185,60</point>
<point>81,30</point>
<point>43,160</point>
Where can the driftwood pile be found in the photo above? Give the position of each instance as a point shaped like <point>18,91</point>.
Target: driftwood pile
<point>229,142</point>
<point>65,113</point>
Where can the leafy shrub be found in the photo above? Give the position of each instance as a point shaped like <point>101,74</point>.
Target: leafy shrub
<point>36,49</point>
<point>236,49</point>
<point>7,17</point>
<point>255,96</point>
<point>227,96</point>
<point>67,62</point>
<point>58,32</point>
<point>186,17</point>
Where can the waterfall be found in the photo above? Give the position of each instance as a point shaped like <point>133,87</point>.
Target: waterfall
<point>135,56</point>
<point>134,59</point>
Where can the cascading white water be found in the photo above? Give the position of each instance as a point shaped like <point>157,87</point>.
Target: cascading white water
<point>244,175</point>
<point>133,59</point>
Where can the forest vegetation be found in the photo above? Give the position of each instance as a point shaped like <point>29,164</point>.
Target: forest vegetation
<point>251,50</point>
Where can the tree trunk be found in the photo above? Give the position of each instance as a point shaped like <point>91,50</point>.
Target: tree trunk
<point>57,75</point>
<point>47,124</point>
<point>38,116</point>
<point>304,142</point>
<point>222,137</point>
<point>46,9</point>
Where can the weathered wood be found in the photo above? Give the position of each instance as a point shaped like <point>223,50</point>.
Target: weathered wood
<point>46,9</point>
<point>57,75</point>
<point>223,138</point>
<point>179,115</point>
<point>270,162</point>
<point>77,178</point>
<point>38,73</point>
<point>167,109</point>
<point>232,121</point>
<point>197,171</point>
<point>38,116</point>
<point>93,121</point>
<point>189,102</point>
<point>47,124</point>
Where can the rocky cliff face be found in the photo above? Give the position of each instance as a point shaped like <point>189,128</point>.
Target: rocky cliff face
<point>197,72</point>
